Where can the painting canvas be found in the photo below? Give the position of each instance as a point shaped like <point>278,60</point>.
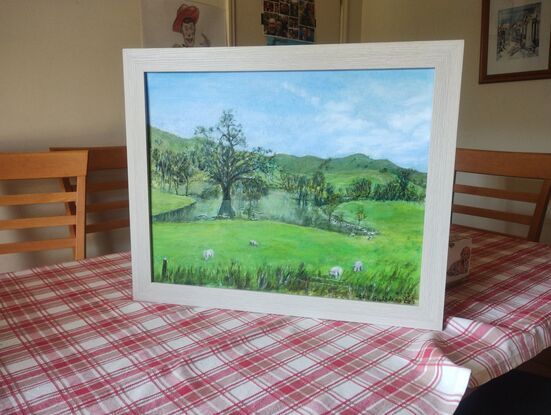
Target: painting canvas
<point>280,182</point>
<point>295,189</point>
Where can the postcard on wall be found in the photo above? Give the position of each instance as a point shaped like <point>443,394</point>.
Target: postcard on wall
<point>304,190</point>
<point>286,21</point>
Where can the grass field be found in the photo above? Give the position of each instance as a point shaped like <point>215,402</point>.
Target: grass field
<point>162,202</point>
<point>391,260</point>
<point>398,221</point>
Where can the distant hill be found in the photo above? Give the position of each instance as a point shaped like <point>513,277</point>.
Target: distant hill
<point>354,162</point>
<point>341,170</point>
<point>168,141</point>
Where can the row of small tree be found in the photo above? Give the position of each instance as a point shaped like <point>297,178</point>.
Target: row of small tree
<point>400,188</point>
<point>221,155</point>
<point>174,169</point>
<point>317,191</point>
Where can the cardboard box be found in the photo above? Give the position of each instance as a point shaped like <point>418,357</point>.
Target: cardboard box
<point>459,258</point>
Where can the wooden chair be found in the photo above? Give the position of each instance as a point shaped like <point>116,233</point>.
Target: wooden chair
<point>506,164</point>
<point>31,166</point>
<point>107,178</point>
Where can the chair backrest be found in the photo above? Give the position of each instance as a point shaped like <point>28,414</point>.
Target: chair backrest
<point>506,164</point>
<point>31,166</point>
<point>102,188</point>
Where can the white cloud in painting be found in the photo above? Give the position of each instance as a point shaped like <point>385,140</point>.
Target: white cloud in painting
<point>382,114</point>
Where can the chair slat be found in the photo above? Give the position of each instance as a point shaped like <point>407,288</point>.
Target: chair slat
<point>37,198</point>
<point>18,166</point>
<point>101,207</point>
<point>41,222</point>
<point>107,225</point>
<point>492,214</point>
<point>29,246</point>
<point>496,193</point>
<point>503,163</point>
<point>534,232</point>
<point>102,158</point>
<point>104,186</point>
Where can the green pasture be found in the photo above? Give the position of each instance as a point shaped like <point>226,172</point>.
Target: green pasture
<point>162,202</point>
<point>399,225</point>
<point>399,240</point>
<point>396,221</point>
<point>285,245</point>
<point>278,244</point>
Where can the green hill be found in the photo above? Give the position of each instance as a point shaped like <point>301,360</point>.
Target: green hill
<point>352,163</point>
<point>164,140</point>
<point>339,171</point>
<point>298,165</point>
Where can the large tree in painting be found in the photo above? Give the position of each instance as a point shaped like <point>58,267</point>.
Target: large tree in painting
<point>227,160</point>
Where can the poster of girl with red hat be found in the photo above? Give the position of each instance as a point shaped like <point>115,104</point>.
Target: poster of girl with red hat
<point>184,23</point>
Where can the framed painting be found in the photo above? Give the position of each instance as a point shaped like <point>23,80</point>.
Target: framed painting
<point>302,180</point>
<point>515,40</point>
<point>187,23</point>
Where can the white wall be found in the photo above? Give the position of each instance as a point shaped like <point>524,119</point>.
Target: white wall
<point>61,76</point>
<point>61,85</point>
<point>511,116</point>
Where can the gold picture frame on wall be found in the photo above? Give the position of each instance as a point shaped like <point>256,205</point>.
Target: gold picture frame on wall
<point>515,40</point>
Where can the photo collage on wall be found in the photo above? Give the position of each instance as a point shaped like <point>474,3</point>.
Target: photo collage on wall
<point>289,20</point>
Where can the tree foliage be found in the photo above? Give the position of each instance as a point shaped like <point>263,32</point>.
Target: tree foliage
<point>173,169</point>
<point>226,159</point>
<point>360,188</point>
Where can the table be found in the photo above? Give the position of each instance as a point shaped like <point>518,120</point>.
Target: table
<point>72,340</point>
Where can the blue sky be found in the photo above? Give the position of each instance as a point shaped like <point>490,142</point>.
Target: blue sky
<point>380,113</point>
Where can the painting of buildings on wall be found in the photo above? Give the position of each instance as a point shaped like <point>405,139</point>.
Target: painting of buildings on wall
<point>518,31</point>
<point>299,182</point>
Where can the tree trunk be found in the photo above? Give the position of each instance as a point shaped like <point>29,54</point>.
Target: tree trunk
<point>226,208</point>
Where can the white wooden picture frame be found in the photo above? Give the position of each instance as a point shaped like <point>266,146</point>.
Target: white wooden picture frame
<point>444,58</point>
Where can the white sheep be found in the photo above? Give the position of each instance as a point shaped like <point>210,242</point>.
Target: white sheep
<point>336,272</point>
<point>252,242</point>
<point>208,254</point>
<point>358,266</point>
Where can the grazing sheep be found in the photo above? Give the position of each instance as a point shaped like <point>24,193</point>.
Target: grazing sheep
<point>352,234</point>
<point>336,272</point>
<point>358,266</point>
<point>252,242</point>
<point>208,254</point>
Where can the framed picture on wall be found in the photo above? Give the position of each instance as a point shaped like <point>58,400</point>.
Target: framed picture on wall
<point>515,40</point>
<point>309,180</point>
<point>187,23</point>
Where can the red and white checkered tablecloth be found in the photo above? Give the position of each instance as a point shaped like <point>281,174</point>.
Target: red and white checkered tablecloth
<point>73,341</point>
